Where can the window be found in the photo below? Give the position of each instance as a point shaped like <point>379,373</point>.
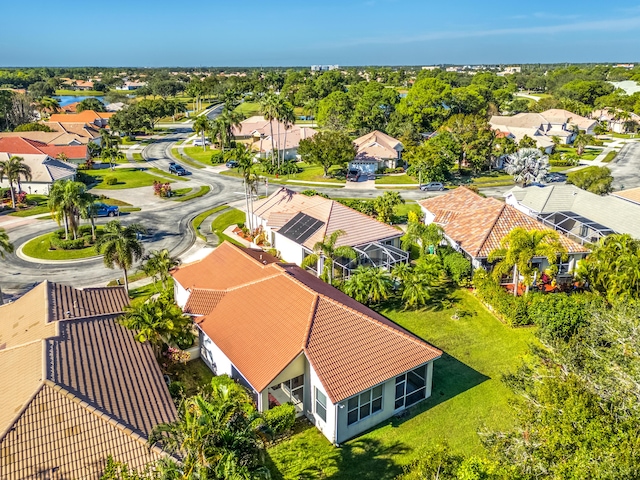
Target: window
<point>365,404</point>
<point>321,405</point>
<point>411,387</point>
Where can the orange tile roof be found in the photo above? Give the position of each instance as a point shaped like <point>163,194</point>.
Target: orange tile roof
<point>263,322</point>
<point>360,229</point>
<point>479,224</point>
<point>23,146</point>
<point>86,116</point>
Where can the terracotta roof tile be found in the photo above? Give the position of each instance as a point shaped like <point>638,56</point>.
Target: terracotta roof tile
<point>262,324</point>
<point>27,319</point>
<point>202,301</point>
<point>67,302</point>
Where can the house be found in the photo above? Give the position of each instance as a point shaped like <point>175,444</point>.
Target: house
<point>44,171</point>
<point>543,127</point>
<point>62,137</point>
<point>475,226</point>
<point>77,84</point>
<point>294,223</point>
<point>86,132</point>
<point>99,119</point>
<point>77,386</point>
<point>580,215</point>
<point>289,337</point>
<point>21,146</point>
<point>616,121</point>
<point>376,150</point>
<point>131,85</point>
<point>70,108</point>
<point>264,136</point>
<point>630,195</point>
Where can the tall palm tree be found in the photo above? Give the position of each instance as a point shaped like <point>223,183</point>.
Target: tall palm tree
<point>107,140</point>
<point>369,285</point>
<point>244,157</point>
<point>158,265</point>
<point>201,125</point>
<point>325,253</point>
<point>48,104</point>
<point>424,236</point>
<point>66,200</point>
<point>226,121</point>
<point>518,249</point>
<point>121,246</point>
<point>5,247</point>
<point>287,117</point>
<point>581,141</point>
<point>269,109</point>
<point>12,169</point>
<point>216,435</point>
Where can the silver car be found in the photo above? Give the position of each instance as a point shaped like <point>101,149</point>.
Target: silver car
<point>432,187</point>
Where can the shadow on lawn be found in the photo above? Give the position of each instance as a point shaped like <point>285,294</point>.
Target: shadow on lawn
<point>363,458</point>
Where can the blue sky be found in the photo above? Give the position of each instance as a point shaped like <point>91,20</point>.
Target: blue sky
<point>280,33</point>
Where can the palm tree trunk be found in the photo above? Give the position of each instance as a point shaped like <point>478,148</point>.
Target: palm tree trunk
<point>273,145</point>
<point>204,146</point>
<point>278,144</point>
<point>1,297</point>
<point>13,195</point>
<point>93,227</point>
<point>515,281</point>
<point>126,281</point>
<point>284,150</point>
<point>66,226</point>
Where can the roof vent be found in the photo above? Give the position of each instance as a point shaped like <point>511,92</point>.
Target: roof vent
<point>68,314</point>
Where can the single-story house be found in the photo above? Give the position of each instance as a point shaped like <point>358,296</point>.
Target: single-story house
<point>630,195</point>
<point>582,216</point>
<point>44,171</point>
<point>475,226</point>
<point>264,136</point>
<point>294,223</point>
<point>58,138</point>
<point>87,132</point>
<point>616,121</point>
<point>131,85</point>
<point>376,150</point>
<point>76,385</point>
<point>21,146</point>
<point>99,119</point>
<point>289,337</point>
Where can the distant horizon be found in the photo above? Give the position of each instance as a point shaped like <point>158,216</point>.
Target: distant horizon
<point>352,33</point>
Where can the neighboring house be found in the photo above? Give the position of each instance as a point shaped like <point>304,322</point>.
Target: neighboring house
<point>51,138</point>
<point>86,132</point>
<point>542,127</point>
<point>70,108</point>
<point>376,150</point>
<point>476,225</point>
<point>99,119</point>
<point>44,171</point>
<point>76,386</point>
<point>615,121</point>
<point>21,146</point>
<point>259,132</point>
<point>630,195</point>
<point>289,337</point>
<point>294,223</point>
<point>582,216</point>
<point>131,85</point>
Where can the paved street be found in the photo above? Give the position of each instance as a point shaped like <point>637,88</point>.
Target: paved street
<point>626,167</point>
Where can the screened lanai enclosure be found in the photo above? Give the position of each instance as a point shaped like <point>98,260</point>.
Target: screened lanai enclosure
<point>577,227</point>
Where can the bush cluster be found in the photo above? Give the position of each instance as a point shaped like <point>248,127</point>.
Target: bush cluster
<point>385,170</point>
<point>456,265</point>
<point>111,180</point>
<point>160,189</point>
<point>84,239</point>
<point>280,419</point>
<point>217,158</point>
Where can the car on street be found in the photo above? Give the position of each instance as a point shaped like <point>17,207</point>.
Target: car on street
<point>432,187</point>
<point>353,175</point>
<point>555,177</point>
<point>198,143</point>
<point>177,169</point>
<point>231,164</point>
<point>104,210</point>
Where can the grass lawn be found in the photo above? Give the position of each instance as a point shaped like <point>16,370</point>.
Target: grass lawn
<point>203,190</point>
<point>221,222</point>
<point>79,93</point>
<point>193,375</point>
<point>141,294</point>
<point>396,180</point>
<point>467,395</point>
<point>138,157</point>
<point>185,159</point>
<point>560,169</point>
<point>132,278</point>
<point>157,171</point>
<point>199,155</point>
<point>403,209</point>
<point>310,173</point>
<point>493,179</point>
<point>37,204</point>
<point>624,135</point>
<point>127,178</point>
<point>610,156</point>
<point>39,248</point>
<point>197,221</point>
<point>248,109</point>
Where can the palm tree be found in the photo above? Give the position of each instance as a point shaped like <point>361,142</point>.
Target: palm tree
<point>107,140</point>
<point>177,107</point>
<point>415,290</point>
<point>527,165</point>
<point>244,157</point>
<point>287,117</point>
<point>225,122</point>
<point>5,247</point>
<point>48,104</point>
<point>121,246</point>
<point>424,236</point>
<point>12,169</point>
<point>158,265</point>
<point>200,126</point>
<point>518,249</point>
<point>581,141</point>
<point>369,285</point>
<point>269,109</point>
<point>89,211</point>
<point>325,253</point>
<point>217,434</point>
<point>62,156</point>
<point>66,199</point>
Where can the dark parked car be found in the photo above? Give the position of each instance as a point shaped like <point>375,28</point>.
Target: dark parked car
<point>555,177</point>
<point>231,164</point>
<point>177,169</point>
<point>353,175</point>
<point>104,210</point>
<point>432,187</point>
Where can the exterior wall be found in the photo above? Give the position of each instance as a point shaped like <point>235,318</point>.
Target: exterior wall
<point>289,251</point>
<point>213,356</point>
<point>40,188</point>
<point>513,201</point>
<point>428,216</point>
<point>328,427</point>
<point>298,366</point>
<point>180,294</point>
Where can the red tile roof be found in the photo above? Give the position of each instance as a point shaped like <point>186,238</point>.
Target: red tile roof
<point>25,146</point>
<point>262,320</point>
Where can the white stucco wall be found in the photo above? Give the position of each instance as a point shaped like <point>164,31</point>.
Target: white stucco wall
<point>180,294</point>
<point>213,356</point>
<point>328,426</point>
<point>289,250</point>
<point>296,368</point>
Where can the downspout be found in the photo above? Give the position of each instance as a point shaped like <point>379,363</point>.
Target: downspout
<point>335,430</point>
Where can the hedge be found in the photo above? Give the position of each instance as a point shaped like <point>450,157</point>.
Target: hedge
<point>280,419</point>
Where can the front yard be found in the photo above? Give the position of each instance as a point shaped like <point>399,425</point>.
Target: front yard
<point>125,178</point>
<point>309,173</point>
<point>467,395</point>
<point>200,155</point>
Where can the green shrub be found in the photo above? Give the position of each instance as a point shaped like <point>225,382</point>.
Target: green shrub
<point>513,310</point>
<point>84,178</point>
<point>280,419</point>
<point>399,170</point>
<point>560,315</point>
<point>217,158</point>
<point>312,193</point>
<point>457,266</point>
<point>59,244</point>
<point>176,390</point>
<point>111,180</point>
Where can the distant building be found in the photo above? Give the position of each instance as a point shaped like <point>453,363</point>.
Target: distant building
<point>628,66</point>
<point>431,67</point>
<point>509,71</point>
<point>324,68</point>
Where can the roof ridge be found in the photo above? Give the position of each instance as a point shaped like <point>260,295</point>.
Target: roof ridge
<point>253,282</point>
<point>493,224</point>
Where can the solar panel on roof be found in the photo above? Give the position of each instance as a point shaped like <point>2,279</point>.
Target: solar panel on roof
<point>300,228</point>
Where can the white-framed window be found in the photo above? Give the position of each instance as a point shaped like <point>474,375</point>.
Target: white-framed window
<point>411,387</point>
<point>321,405</point>
<point>365,404</point>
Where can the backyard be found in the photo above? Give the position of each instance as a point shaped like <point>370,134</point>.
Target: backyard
<point>467,395</point>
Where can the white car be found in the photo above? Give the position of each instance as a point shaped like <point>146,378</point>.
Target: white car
<point>198,143</point>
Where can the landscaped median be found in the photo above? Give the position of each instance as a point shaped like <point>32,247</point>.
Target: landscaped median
<point>123,178</point>
<point>203,190</point>
<point>197,221</point>
<point>41,247</point>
